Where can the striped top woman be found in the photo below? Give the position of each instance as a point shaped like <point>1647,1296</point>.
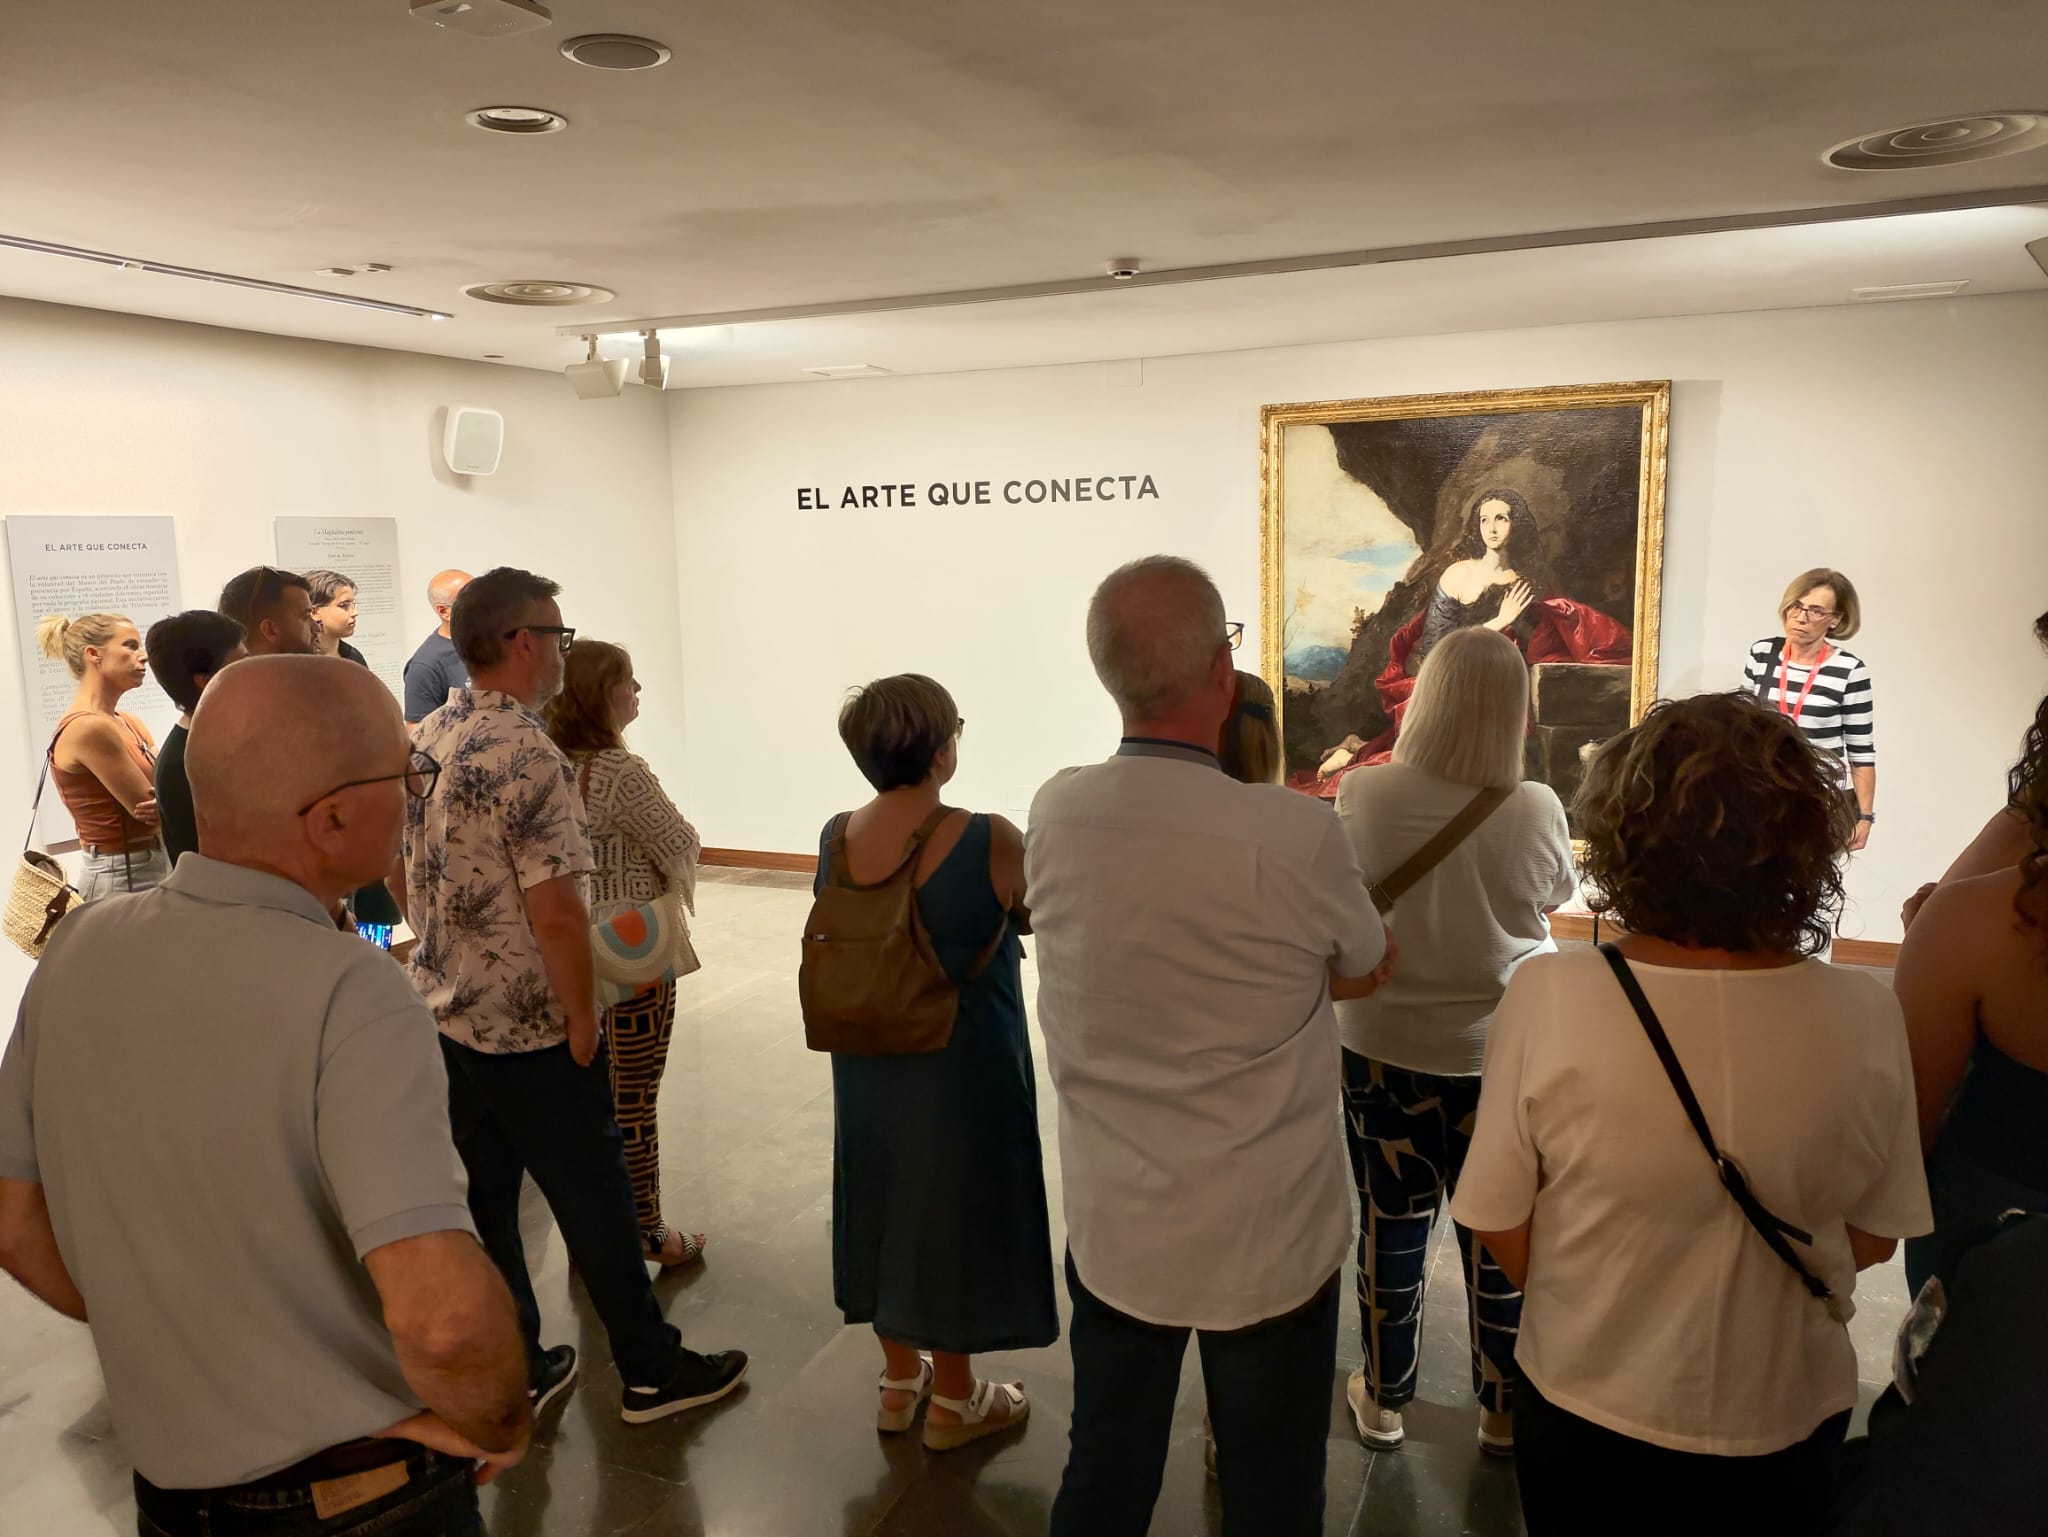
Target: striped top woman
<point>1805,674</point>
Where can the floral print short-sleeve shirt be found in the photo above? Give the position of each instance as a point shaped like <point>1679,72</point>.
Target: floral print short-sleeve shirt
<point>505,816</point>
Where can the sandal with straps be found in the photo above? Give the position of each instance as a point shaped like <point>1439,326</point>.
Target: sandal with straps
<point>655,1247</point>
<point>920,1387</point>
<point>975,1415</point>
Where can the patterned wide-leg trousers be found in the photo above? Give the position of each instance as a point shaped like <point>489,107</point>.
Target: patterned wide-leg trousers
<point>638,1032</point>
<point>1409,1133</point>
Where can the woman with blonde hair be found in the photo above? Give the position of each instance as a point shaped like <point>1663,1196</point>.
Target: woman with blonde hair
<point>644,849</point>
<point>1250,750</point>
<point>104,761</point>
<point>1689,1142</point>
<point>1824,690</point>
<point>1473,857</point>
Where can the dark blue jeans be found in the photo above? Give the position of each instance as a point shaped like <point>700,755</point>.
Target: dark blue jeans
<point>1269,1390</point>
<point>439,1500</point>
<point>538,1112</point>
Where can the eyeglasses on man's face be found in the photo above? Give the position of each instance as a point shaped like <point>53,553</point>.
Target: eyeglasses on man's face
<point>1233,634</point>
<point>1811,611</point>
<point>420,776</point>
<point>566,634</point>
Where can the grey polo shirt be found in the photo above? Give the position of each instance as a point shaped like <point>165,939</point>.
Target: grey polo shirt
<point>228,1102</point>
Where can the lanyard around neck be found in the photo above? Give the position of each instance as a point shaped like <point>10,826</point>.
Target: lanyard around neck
<point>1784,693</point>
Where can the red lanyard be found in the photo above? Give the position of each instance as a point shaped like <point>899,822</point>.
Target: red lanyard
<point>1784,693</point>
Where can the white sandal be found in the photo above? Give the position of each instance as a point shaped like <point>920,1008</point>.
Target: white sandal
<point>920,1386</point>
<point>974,1412</point>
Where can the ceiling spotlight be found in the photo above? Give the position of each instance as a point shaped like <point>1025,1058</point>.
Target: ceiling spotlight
<point>653,365</point>
<point>596,378</point>
<point>516,120</point>
<point>484,18</point>
<point>615,50</point>
<point>1123,268</point>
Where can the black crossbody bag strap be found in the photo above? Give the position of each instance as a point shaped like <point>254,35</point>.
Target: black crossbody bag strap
<point>1773,1230</point>
<point>1763,689</point>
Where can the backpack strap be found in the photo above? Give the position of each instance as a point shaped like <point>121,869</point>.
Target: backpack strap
<point>841,870</point>
<point>1772,1229</point>
<point>1385,893</point>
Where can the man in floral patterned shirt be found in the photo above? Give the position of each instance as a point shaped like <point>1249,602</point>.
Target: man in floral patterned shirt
<point>496,866</point>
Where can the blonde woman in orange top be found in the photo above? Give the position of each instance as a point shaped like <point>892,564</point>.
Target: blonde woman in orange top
<point>102,761</point>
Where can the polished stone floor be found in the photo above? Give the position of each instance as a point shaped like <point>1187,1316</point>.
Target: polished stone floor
<point>747,1149</point>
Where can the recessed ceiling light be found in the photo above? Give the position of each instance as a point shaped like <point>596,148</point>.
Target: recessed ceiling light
<point>615,50</point>
<point>1952,141</point>
<point>846,370</point>
<point>538,292</point>
<point>494,357</point>
<point>516,120</point>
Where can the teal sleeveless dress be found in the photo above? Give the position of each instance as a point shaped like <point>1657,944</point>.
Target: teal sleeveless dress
<point>939,1230</point>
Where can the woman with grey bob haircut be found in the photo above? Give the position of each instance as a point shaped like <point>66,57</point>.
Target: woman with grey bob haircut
<point>1412,1051</point>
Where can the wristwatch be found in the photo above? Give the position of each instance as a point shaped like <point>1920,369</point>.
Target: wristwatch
<point>1867,816</point>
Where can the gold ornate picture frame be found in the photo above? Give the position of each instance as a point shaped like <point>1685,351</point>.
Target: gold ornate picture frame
<point>1385,523</point>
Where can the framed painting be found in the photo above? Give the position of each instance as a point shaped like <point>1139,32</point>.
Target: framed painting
<point>1388,523</point>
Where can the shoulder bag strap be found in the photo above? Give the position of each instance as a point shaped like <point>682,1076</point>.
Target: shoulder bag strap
<point>1385,893</point>
<point>1773,1230</point>
<point>36,805</point>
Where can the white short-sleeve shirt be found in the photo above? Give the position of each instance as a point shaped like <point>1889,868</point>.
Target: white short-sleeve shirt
<point>1653,1308</point>
<point>1186,926</point>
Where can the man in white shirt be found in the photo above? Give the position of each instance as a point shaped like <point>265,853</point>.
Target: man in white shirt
<point>1192,931</point>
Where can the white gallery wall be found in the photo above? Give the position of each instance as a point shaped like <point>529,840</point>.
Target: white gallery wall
<point>1902,443</point>
<point>225,431</point>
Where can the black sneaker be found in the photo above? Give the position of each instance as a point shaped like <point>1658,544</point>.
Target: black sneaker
<point>697,1380</point>
<point>556,1374</point>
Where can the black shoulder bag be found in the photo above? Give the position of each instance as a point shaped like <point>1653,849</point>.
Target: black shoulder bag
<point>1773,1230</point>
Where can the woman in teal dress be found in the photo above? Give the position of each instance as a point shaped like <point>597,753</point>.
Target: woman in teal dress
<point>939,1230</point>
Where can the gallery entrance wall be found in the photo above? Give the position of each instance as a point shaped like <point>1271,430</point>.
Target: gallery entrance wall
<point>224,432</point>
<point>829,533</point>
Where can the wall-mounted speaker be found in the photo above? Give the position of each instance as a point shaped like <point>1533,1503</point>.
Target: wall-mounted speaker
<point>475,439</point>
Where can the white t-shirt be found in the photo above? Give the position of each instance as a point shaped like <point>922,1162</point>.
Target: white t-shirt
<point>1653,1308</point>
<point>1186,929</point>
<point>1461,930</point>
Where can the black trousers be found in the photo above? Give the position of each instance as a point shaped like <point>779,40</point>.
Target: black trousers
<point>538,1112</point>
<point>1579,1479</point>
<point>1269,1392</point>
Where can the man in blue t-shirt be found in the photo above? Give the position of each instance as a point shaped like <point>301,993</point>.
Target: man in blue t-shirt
<point>435,668</point>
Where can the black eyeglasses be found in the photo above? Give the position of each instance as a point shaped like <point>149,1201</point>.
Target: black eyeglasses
<point>420,776</point>
<point>1233,634</point>
<point>566,633</point>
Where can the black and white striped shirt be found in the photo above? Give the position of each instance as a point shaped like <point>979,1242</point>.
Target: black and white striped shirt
<point>1838,715</point>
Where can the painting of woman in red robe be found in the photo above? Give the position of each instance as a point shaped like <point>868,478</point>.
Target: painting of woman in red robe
<point>1498,579</point>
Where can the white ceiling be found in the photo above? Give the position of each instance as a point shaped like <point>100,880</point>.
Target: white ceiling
<point>805,151</point>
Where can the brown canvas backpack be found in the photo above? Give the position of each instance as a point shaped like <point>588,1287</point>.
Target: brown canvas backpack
<point>870,982</point>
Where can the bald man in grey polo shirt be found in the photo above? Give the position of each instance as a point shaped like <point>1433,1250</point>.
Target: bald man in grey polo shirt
<point>1192,932</point>
<point>224,1143</point>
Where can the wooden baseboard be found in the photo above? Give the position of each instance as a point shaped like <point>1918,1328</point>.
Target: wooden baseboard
<point>755,859</point>
<point>1847,952</point>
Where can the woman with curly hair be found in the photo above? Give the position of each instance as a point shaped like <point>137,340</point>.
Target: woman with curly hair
<point>1973,979</point>
<point>1678,1373</point>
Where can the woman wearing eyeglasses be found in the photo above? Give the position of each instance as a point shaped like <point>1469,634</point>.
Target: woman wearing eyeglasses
<point>1807,676</point>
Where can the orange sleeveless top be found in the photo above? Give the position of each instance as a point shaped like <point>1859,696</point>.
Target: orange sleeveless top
<point>101,819</point>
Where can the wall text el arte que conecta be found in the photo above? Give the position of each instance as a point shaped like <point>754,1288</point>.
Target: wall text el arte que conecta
<point>982,493</point>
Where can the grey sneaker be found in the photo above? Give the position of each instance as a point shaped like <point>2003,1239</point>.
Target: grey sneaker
<point>1497,1432</point>
<point>1378,1428</point>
